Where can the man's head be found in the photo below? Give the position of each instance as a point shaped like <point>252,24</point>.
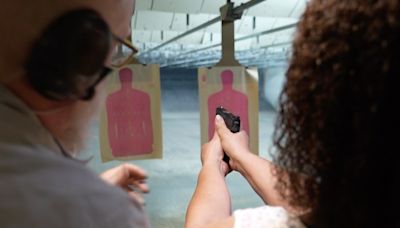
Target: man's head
<point>23,21</point>
<point>23,24</point>
<point>68,60</point>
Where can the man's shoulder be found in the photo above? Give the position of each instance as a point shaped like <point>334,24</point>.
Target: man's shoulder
<point>53,186</point>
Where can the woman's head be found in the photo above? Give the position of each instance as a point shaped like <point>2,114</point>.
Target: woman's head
<point>338,110</point>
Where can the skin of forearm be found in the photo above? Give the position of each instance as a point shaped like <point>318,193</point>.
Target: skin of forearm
<point>258,172</point>
<point>211,199</point>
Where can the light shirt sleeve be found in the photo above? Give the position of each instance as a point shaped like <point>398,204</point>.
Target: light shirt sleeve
<point>266,217</point>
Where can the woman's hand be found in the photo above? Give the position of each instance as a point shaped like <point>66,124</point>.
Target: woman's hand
<point>212,154</point>
<point>128,177</point>
<point>235,145</point>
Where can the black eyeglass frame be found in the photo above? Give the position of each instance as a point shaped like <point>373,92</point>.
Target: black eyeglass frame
<point>107,70</point>
<point>129,45</point>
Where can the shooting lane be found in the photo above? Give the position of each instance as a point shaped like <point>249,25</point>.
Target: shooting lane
<point>229,85</point>
<point>180,46</point>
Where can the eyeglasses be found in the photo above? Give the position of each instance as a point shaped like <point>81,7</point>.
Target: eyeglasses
<point>122,53</point>
<point>120,56</point>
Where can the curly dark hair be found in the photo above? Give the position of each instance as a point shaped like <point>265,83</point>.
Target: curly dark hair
<point>338,119</point>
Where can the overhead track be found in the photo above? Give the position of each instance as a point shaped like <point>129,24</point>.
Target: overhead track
<point>289,26</point>
<point>269,31</point>
<point>250,63</point>
<point>241,55</point>
<point>236,10</point>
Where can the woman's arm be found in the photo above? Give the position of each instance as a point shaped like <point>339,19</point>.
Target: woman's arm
<point>257,171</point>
<point>210,205</point>
<point>211,200</point>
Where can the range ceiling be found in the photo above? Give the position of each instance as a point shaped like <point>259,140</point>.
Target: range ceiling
<point>157,21</point>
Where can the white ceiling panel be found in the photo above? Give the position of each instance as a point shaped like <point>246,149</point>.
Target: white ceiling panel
<point>265,40</point>
<point>155,37</point>
<point>162,36</point>
<point>274,8</point>
<point>299,9</point>
<point>284,21</point>
<point>167,35</point>
<point>179,22</point>
<point>216,28</point>
<point>217,38</point>
<point>149,20</point>
<point>264,23</point>
<point>213,6</point>
<point>178,6</point>
<point>283,39</point>
<point>141,35</point>
<point>287,33</point>
<point>243,45</point>
<point>198,19</point>
<point>244,25</point>
<point>152,20</point>
<point>210,38</point>
<point>143,5</point>
<point>194,38</point>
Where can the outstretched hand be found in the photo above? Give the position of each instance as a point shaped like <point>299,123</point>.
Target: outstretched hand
<point>128,177</point>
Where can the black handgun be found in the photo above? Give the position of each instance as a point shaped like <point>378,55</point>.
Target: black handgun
<point>232,123</point>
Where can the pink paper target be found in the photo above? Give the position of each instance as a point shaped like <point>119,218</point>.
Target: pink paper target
<point>231,99</point>
<point>130,130</point>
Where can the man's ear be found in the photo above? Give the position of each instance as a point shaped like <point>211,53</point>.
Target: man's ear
<point>69,56</point>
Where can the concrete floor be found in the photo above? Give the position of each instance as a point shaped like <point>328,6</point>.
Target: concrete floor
<point>172,179</point>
